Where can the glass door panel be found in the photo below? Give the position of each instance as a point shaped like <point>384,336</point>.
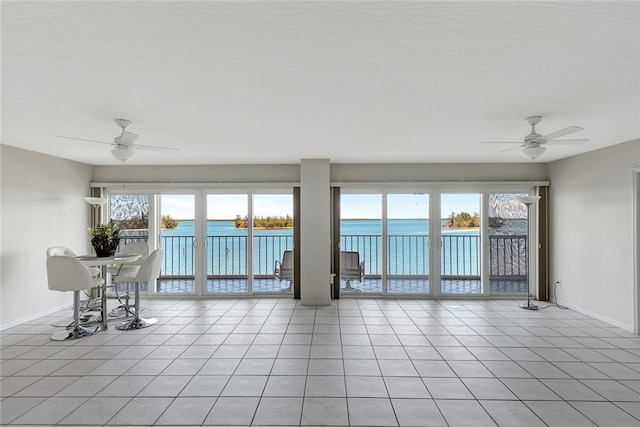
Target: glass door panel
<point>227,243</point>
<point>507,244</point>
<point>408,243</point>
<point>460,244</point>
<point>130,212</point>
<point>361,243</point>
<point>273,243</point>
<point>177,239</point>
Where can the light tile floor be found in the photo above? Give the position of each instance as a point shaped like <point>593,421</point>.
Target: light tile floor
<point>359,362</point>
<point>372,285</point>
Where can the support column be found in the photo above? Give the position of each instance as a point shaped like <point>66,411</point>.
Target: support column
<point>315,232</point>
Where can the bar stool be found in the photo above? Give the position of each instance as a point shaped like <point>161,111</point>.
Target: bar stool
<point>128,269</point>
<point>149,271</point>
<point>64,274</point>
<point>87,305</point>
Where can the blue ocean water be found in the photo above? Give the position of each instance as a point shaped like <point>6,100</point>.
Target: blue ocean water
<point>348,227</point>
<point>408,247</point>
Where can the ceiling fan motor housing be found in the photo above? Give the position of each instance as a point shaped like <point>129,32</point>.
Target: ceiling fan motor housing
<point>123,123</point>
<point>534,137</point>
<point>533,120</point>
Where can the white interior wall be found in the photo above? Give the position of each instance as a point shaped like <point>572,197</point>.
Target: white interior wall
<point>198,174</point>
<point>433,172</point>
<point>42,205</point>
<point>340,172</point>
<point>591,228</point>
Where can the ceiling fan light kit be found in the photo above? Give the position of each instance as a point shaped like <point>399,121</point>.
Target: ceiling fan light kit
<point>532,153</point>
<point>122,153</point>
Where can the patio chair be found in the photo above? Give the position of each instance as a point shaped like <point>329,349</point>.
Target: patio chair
<point>283,270</point>
<point>351,269</point>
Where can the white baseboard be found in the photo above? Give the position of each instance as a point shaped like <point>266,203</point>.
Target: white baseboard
<point>315,302</point>
<point>627,327</point>
<point>34,316</point>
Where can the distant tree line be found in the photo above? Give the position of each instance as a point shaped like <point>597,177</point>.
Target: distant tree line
<point>463,220</point>
<point>265,222</point>
<point>466,220</point>
<point>141,222</point>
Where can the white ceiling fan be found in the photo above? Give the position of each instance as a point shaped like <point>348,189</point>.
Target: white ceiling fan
<point>124,143</point>
<point>534,143</point>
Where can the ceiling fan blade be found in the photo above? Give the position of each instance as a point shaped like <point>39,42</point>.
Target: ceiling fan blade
<point>562,132</point>
<point>152,148</point>
<point>82,139</point>
<point>568,141</point>
<point>501,142</point>
<point>508,149</point>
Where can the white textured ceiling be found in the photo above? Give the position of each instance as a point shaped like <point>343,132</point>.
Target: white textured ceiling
<point>354,82</point>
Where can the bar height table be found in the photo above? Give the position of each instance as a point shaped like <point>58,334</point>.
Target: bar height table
<point>103,262</point>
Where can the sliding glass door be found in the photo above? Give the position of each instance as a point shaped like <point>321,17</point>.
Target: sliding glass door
<point>249,237</point>
<point>273,243</point>
<point>181,243</point>
<point>361,243</point>
<point>507,244</point>
<point>407,243</point>
<point>130,212</point>
<point>214,243</point>
<point>391,242</point>
<point>460,248</point>
<point>476,245</point>
<point>227,243</point>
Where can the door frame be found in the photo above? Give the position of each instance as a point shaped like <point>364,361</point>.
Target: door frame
<point>636,248</point>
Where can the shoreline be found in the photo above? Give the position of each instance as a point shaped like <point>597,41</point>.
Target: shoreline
<point>456,229</point>
<point>265,228</point>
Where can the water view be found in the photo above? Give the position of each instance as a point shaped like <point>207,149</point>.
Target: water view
<point>350,227</point>
<point>404,256</point>
<point>408,247</point>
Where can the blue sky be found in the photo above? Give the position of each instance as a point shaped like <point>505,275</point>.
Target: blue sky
<point>405,205</point>
<point>227,206</point>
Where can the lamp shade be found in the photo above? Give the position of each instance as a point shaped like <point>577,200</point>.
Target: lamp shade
<point>122,153</point>
<point>528,200</point>
<point>533,152</point>
<point>96,201</point>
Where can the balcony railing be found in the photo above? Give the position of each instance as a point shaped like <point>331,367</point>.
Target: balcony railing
<point>408,255</point>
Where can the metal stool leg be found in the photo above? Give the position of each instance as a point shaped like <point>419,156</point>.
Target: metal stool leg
<point>75,331</point>
<point>137,322</point>
<point>348,288</point>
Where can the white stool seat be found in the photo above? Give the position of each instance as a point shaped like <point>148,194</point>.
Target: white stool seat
<point>67,274</point>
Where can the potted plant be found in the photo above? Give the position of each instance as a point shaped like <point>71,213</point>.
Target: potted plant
<point>105,239</point>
